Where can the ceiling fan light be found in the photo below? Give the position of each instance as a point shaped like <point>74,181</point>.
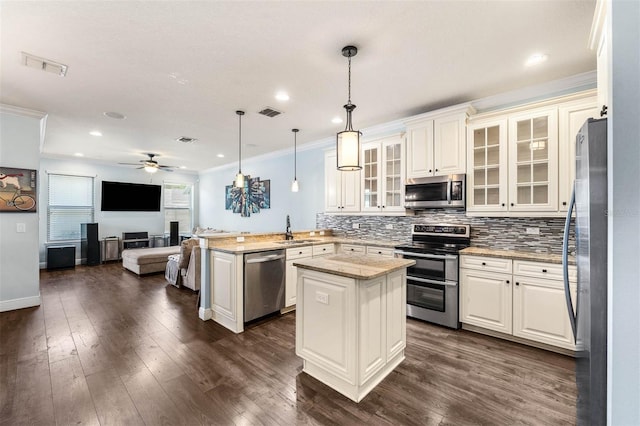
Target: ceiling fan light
<point>150,169</point>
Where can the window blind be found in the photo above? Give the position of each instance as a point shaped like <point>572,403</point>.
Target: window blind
<point>70,204</point>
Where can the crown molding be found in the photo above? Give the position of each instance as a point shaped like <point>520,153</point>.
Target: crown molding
<point>24,112</point>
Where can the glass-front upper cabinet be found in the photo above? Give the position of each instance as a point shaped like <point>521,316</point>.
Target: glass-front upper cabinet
<point>487,172</point>
<point>533,161</point>
<point>382,175</point>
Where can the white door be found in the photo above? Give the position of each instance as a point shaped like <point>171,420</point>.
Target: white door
<point>485,300</point>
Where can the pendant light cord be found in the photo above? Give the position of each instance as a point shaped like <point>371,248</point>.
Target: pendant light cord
<point>295,165</point>
<point>239,143</point>
<point>349,100</point>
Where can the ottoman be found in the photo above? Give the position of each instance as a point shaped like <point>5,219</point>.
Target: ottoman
<point>147,260</point>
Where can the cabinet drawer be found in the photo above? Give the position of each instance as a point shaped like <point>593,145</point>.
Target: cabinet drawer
<point>299,252</point>
<point>482,263</point>
<point>379,251</point>
<point>552,271</point>
<point>323,249</point>
<point>353,249</point>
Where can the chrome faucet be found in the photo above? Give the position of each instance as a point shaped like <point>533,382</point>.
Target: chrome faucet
<point>288,235</point>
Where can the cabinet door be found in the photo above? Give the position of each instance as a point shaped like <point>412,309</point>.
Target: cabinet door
<point>392,167</point>
<point>571,117</point>
<point>350,191</point>
<point>533,160</point>
<point>485,300</point>
<point>449,145</point>
<point>224,292</point>
<point>291,280</point>
<point>487,166</point>
<point>332,184</point>
<point>540,311</point>
<point>396,313</point>
<point>371,183</point>
<point>420,150</point>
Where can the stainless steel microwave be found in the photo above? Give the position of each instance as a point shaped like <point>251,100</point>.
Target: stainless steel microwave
<point>435,192</point>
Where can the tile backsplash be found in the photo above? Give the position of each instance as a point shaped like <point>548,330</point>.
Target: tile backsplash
<point>505,233</point>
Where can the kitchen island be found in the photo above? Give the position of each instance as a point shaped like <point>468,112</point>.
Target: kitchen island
<point>351,320</point>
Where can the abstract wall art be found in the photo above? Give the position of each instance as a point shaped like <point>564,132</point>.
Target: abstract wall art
<point>254,196</point>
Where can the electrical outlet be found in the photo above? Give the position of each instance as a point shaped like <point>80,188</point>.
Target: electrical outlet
<point>356,226</point>
<point>312,234</point>
<point>533,231</point>
<point>322,298</point>
<point>21,227</point>
<point>321,233</point>
<point>389,226</point>
<point>240,239</point>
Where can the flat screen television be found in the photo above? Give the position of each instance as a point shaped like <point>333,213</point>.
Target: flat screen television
<point>130,197</point>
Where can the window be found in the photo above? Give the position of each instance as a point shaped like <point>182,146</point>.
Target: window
<point>70,204</point>
<point>178,202</point>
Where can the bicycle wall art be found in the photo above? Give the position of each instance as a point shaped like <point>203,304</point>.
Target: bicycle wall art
<point>18,190</point>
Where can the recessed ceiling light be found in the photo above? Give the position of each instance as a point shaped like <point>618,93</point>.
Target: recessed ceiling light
<point>95,133</point>
<point>220,155</point>
<point>183,167</point>
<point>282,96</point>
<point>79,154</point>
<point>535,59</point>
<point>115,115</point>
<point>336,120</point>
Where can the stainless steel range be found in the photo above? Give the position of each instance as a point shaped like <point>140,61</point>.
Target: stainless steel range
<point>432,283</point>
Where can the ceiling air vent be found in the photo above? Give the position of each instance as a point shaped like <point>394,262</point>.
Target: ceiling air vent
<point>269,112</point>
<point>186,139</point>
<point>42,64</point>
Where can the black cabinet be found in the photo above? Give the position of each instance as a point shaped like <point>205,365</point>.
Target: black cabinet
<point>89,244</point>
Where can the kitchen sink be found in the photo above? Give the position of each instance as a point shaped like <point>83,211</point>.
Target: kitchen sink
<point>290,242</point>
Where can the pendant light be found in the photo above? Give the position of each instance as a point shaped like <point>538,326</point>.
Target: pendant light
<point>239,182</point>
<point>294,185</point>
<point>348,141</point>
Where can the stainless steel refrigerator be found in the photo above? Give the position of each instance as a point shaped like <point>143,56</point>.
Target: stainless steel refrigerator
<point>589,323</point>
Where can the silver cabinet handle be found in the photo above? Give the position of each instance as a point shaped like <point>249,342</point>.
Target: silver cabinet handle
<point>565,263</point>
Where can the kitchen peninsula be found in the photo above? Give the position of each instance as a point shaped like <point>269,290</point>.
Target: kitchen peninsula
<point>351,320</point>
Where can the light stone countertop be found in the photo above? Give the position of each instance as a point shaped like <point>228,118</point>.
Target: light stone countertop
<point>516,255</point>
<point>276,243</point>
<point>359,267</point>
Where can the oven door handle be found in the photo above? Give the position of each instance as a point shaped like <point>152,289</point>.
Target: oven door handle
<point>426,281</point>
<point>448,191</point>
<point>426,256</point>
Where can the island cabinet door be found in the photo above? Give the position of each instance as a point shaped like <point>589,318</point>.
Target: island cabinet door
<point>372,328</point>
<point>326,323</point>
<point>396,313</point>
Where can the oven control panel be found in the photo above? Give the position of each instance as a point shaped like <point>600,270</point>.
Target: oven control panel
<point>441,230</point>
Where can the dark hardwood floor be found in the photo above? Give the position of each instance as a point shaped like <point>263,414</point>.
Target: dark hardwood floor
<point>108,347</point>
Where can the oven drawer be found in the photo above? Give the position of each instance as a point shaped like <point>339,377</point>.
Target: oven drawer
<point>482,263</point>
<point>552,271</point>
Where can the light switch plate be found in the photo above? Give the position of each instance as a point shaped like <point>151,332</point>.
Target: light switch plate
<point>388,226</point>
<point>321,232</point>
<point>240,239</point>
<point>21,227</point>
<point>533,231</point>
<point>312,233</point>
<point>356,226</point>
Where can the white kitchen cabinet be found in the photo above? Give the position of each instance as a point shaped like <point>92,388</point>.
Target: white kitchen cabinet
<point>380,251</point>
<point>352,249</point>
<point>342,189</point>
<point>291,275</point>
<point>437,143</point>
<point>485,300</point>
<point>227,291</point>
<point>383,175</point>
<point>571,117</point>
<point>515,297</point>
<point>533,160</point>
<point>600,40</point>
<point>323,250</point>
<point>487,162</point>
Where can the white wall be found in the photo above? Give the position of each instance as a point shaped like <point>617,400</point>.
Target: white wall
<point>624,217</point>
<point>278,168</point>
<point>19,276</point>
<point>110,223</point>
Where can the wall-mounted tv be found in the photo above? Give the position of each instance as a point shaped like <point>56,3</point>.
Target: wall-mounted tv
<point>130,197</point>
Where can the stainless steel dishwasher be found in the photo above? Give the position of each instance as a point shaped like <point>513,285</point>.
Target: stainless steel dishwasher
<point>264,283</point>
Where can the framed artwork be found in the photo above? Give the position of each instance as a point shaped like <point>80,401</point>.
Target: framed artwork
<point>254,196</point>
<point>18,190</point>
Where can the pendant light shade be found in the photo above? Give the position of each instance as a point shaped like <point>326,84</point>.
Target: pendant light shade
<point>295,187</point>
<point>239,180</point>
<point>348,141</point>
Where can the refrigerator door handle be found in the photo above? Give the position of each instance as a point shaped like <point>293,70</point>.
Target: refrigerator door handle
<point>565,263</point>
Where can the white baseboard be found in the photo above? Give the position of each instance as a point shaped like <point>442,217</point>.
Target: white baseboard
<point>205,314</point>
<point>23,302</point>
<point>43,265</point>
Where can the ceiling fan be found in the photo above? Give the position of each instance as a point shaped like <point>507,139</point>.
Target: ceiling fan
<point>150,165</point>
